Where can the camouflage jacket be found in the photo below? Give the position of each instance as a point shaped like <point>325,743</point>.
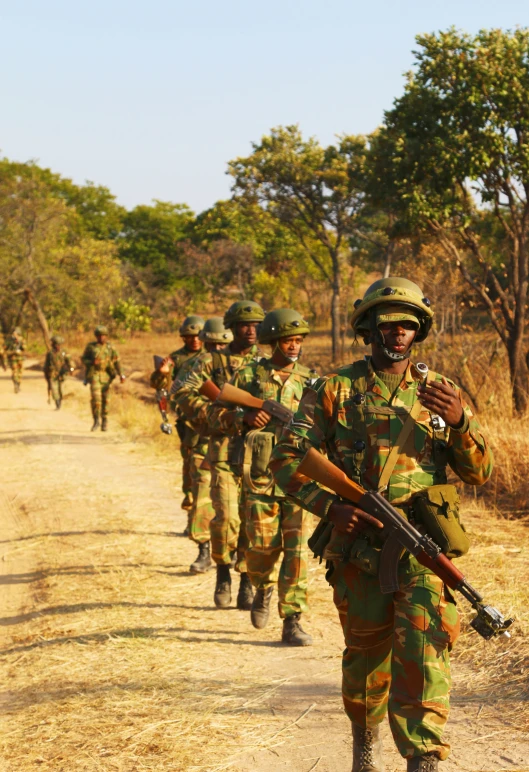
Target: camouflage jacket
<point>164,380</point>
<point>14,348</point>
<point>101,358</point>
<point>353,418</point>
<point>57,364</point>
<point>220,367</point>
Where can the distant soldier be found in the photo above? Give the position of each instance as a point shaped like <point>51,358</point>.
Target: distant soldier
<point>13,356</point>
<point>163,377</point>
<point>215,337</point>
<point>56,366</point>
<point>102,364</point>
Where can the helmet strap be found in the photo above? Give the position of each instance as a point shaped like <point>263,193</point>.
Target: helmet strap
<point>289,359</point>
<point>379,338</point>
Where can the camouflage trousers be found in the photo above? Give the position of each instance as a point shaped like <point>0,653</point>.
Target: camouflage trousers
<point>202,512</point>
<point>187,473</point>
<point>16,365</point>
<point>278,531</point>
<point>396,658</point>
<point>228,533</point>
<point>99,395</point>
<point>55,386</point>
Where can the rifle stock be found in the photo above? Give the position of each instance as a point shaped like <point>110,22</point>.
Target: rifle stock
<point>209,390</point>
<point>241,398</point>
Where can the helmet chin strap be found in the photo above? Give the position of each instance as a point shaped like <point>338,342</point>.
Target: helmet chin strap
<point>379,337</point>
<point>290,359</point>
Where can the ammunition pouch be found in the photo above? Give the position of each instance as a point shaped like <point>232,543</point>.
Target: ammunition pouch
<point>436,509</point>
<point>258,446</point>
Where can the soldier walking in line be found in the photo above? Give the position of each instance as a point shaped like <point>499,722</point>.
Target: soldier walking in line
<point>163,377</point>
<point>102,365</point>
<point>277,529</point>
<point>214,336</point>
<point>228,536</point>
<point>13,356</point>
<point>396,659</point>
<point>56,366</point>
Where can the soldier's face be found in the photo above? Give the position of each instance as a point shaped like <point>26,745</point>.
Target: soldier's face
<point>291,346</point>
<point>246,332</point>
<point>192,342</point>
<point>102,338</point>
<point>211,346</point>
<point>398,336</point>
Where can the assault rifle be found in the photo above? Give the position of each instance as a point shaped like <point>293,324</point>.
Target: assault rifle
<point>241,398</point>
<point>398,533</point>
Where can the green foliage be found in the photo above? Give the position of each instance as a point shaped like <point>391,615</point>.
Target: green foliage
<point>131,316</point>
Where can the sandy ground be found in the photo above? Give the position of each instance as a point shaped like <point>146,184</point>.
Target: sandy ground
<point>95,587</point>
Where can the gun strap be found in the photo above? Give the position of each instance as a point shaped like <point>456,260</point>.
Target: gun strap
<point>248,483</point>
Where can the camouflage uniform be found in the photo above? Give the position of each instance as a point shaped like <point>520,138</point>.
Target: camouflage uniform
<point>219,366</point>
<point>14,357</point>
<point>188,436</point>
<point>56,365</point>
<point>274,525</point>
<point>396,656</point>
<point>102,364</point>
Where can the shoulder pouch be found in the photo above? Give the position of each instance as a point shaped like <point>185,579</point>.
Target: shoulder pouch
<point>437,509</point>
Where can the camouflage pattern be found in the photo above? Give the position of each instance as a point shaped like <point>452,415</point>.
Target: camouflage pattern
<point>56,365</point>
<point>187,437</point>
<point>277,529</point>
<point>13,357</point>
<point>102,364</point>
<point>397,645</point>
<point>227,536</point>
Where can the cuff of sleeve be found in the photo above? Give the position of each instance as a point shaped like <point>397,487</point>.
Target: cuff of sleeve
<point>463,428</point>
<point>325,503</point>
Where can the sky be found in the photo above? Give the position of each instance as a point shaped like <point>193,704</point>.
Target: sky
<point>153,98</point>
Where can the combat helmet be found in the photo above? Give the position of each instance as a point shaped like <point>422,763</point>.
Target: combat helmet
<point>282,323</point>
<point>58,339</point>
<point>17,331</point>
<point>397,297</point>
<point>215,332</point>
<point>101,329</point>
<point>243,311</point>
<point>191,325</point>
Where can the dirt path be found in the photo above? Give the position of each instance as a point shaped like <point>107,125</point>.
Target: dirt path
<point>113,657</point>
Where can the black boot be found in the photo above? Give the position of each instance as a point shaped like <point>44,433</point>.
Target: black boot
<point>203,561</point>
<point>427,763</point>
<point>293,633</point>
<point>104,424</point>
<point>245,594</point>
<point>222,596</point>
<point>96,423</point>
<point>367,750</point>
<point>261,607</point>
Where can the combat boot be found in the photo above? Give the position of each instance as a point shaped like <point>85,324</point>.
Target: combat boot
<point>261,607</point>
<point>17,388</point>
<point>104,424</point>
<point>427,763</point>
<point>222,596</point>
<point>293,633</point>
<point>58,404</point>
<point>96,423</point>
<point>203,561</point>
<point>367,750</point>
<point>245,594</point>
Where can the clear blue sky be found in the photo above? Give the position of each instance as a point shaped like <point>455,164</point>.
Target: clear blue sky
<point>152,98</point>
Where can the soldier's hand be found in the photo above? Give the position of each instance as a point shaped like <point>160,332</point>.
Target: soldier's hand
<point>349,519</point>
<point>166,365</point>
<point>440,398</point>
<point>256,418</point>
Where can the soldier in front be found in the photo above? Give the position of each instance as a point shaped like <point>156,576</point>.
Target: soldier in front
<point>102,365</point>
<point>396,660</point>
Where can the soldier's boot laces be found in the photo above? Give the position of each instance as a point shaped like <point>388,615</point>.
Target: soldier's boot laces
<point>104,424</point>
<point>367,750</point>
<point>203,561</point>
<point>427,763</point>
<point>261,607</point>
<point>222,596</point>
<point>96,423</point>
<point>245,594</point>
<point>293,633</point>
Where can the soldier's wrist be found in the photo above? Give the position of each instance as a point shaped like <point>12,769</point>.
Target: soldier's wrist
<point>463,425</point>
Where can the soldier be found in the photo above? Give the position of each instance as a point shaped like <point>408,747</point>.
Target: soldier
<point>397,645</point>
<point>102,364</point>
<point>228,538</point>
<point>56,365</point>
<point>277,528</point>
<point>13,355</point>
<point>163,377</point>
<point>214,336</point>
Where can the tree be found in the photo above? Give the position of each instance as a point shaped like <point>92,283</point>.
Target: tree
<point>452,154</point>
<point>316,193</point>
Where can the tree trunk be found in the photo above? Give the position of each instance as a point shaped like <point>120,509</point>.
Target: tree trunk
<point>34,303</point>
<point>518,372</point>
<point>335,307</point>
<point>389,256</point>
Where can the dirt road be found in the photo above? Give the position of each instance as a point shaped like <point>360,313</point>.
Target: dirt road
<point>113,657</point>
